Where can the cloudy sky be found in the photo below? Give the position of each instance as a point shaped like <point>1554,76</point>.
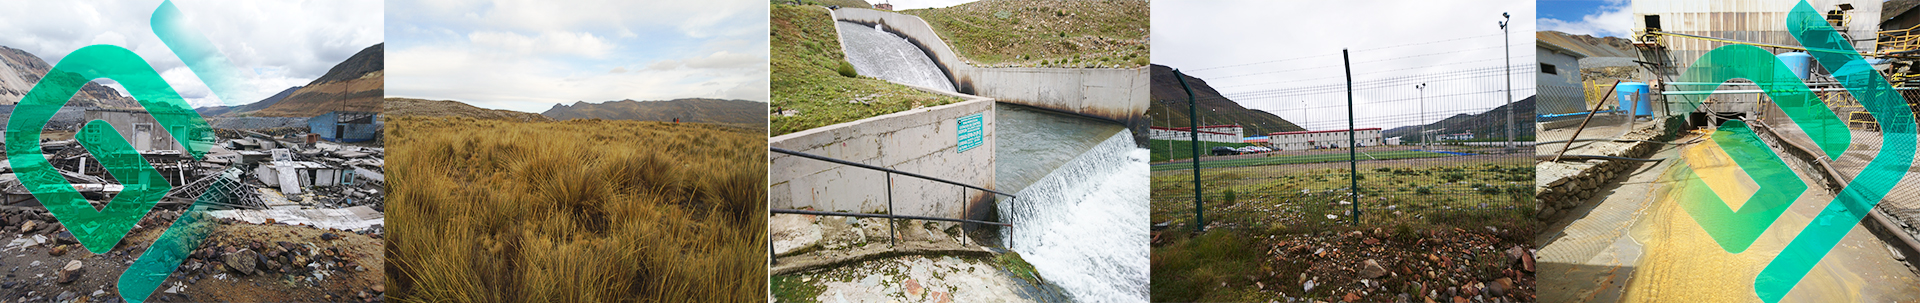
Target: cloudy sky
<point>1249,50</point>
<point>527,55</point>
<point>279,44</point>
<point>1600,18</point>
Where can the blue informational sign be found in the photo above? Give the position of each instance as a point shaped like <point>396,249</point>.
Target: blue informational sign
<point>972,131</point>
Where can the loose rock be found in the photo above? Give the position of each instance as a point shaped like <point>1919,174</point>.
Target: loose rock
<point>71,272</point>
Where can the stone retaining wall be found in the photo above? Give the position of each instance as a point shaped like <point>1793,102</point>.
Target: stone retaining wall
<point>1555,197</point>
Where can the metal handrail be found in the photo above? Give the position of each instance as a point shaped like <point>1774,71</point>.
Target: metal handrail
<point>893,235</point>
<point>846,214</point>
<point>823,158</point>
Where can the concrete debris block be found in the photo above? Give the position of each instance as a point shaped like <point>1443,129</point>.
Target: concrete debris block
<point>243,261</point>
<point>793,233</point>
<point>351,218</point>
<point>71,272</point>
<point>1371,269</point>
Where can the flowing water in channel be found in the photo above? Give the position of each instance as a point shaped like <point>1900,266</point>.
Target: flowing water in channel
<point>877,53</point>
<point>1081,215</point>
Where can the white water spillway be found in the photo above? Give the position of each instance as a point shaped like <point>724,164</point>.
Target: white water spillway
<point>1081,215</point>
<point>877,53</point>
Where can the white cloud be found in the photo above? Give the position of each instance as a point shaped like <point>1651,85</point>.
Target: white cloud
<point>724,59</point>
<point>528,55</point>
<point>664,65</point>
<point>1612,20</point>
<point>549,42</point>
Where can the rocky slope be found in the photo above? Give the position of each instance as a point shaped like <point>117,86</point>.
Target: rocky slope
<point>1169,108</point>
<point>731,112</point>
<point>356,84</point>
<point>20,70</point>
<point>1589,45</point>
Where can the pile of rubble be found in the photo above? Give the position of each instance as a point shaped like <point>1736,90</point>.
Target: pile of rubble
<point>292,216</point>
<point>1456,265</point>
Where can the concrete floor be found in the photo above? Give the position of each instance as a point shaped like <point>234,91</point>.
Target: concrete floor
<point>1634,243</point>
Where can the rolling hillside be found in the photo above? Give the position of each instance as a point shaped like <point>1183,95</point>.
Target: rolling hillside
<point>1488,124</point>
<point>740,113</point>
<point>400,107</point>
<point>216,111</point>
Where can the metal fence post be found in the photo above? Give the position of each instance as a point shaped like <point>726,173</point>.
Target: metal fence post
<point>1353,163</point>
<point>891,235</point>
<point>1193,130</point>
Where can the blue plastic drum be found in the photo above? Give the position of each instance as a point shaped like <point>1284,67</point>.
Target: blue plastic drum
<point>1634,97</point>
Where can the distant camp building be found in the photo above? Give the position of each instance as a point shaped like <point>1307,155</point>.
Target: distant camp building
<point>1323,139</point>
<point>1454,137</point>
<point>1209,133</point>
<point>346,126</point>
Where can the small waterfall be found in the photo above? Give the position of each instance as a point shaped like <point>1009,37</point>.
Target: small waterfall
<point>877,53</point>
<point>1084,225</point>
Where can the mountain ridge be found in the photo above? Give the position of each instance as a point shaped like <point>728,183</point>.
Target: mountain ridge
<point>1169,107</point>
<point>699,110</point>
<point>20,71</point>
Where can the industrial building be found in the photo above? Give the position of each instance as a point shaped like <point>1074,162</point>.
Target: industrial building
<point>138,127</point>
<point>1673,34</point>
<point>346,126</point>
<point>1301,140</point>
<point>1560,87</point>
<point>1209,133</point>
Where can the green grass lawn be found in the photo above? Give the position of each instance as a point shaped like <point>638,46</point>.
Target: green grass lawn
<point>807,89</point>
<point>1302,197</point>
<point>1280,160</point>
<point>1182,149</point>
<point>1038,33</point>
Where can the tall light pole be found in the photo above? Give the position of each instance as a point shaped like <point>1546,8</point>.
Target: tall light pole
<point>1506,40</point>
<point>1423,115</point>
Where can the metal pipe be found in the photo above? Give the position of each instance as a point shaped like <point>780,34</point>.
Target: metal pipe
<point>1595,157</point>
<point>1583,122</point>
<point>861,215</point>
<point>892,236</point>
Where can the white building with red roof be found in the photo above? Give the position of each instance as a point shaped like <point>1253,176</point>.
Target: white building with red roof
<point>1313,139</point>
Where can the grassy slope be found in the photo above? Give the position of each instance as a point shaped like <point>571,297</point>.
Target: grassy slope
<point>575,211</point>
<point>1035,33</point>
<point>808,93</point>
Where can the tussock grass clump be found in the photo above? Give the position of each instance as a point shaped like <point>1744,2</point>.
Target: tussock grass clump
<point>575,211</point>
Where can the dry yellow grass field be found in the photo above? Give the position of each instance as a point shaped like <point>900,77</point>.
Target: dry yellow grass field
<point>575,211</point>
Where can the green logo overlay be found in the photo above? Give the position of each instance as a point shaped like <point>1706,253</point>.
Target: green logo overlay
<point>1779,187</point>
<point>100,229</point>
